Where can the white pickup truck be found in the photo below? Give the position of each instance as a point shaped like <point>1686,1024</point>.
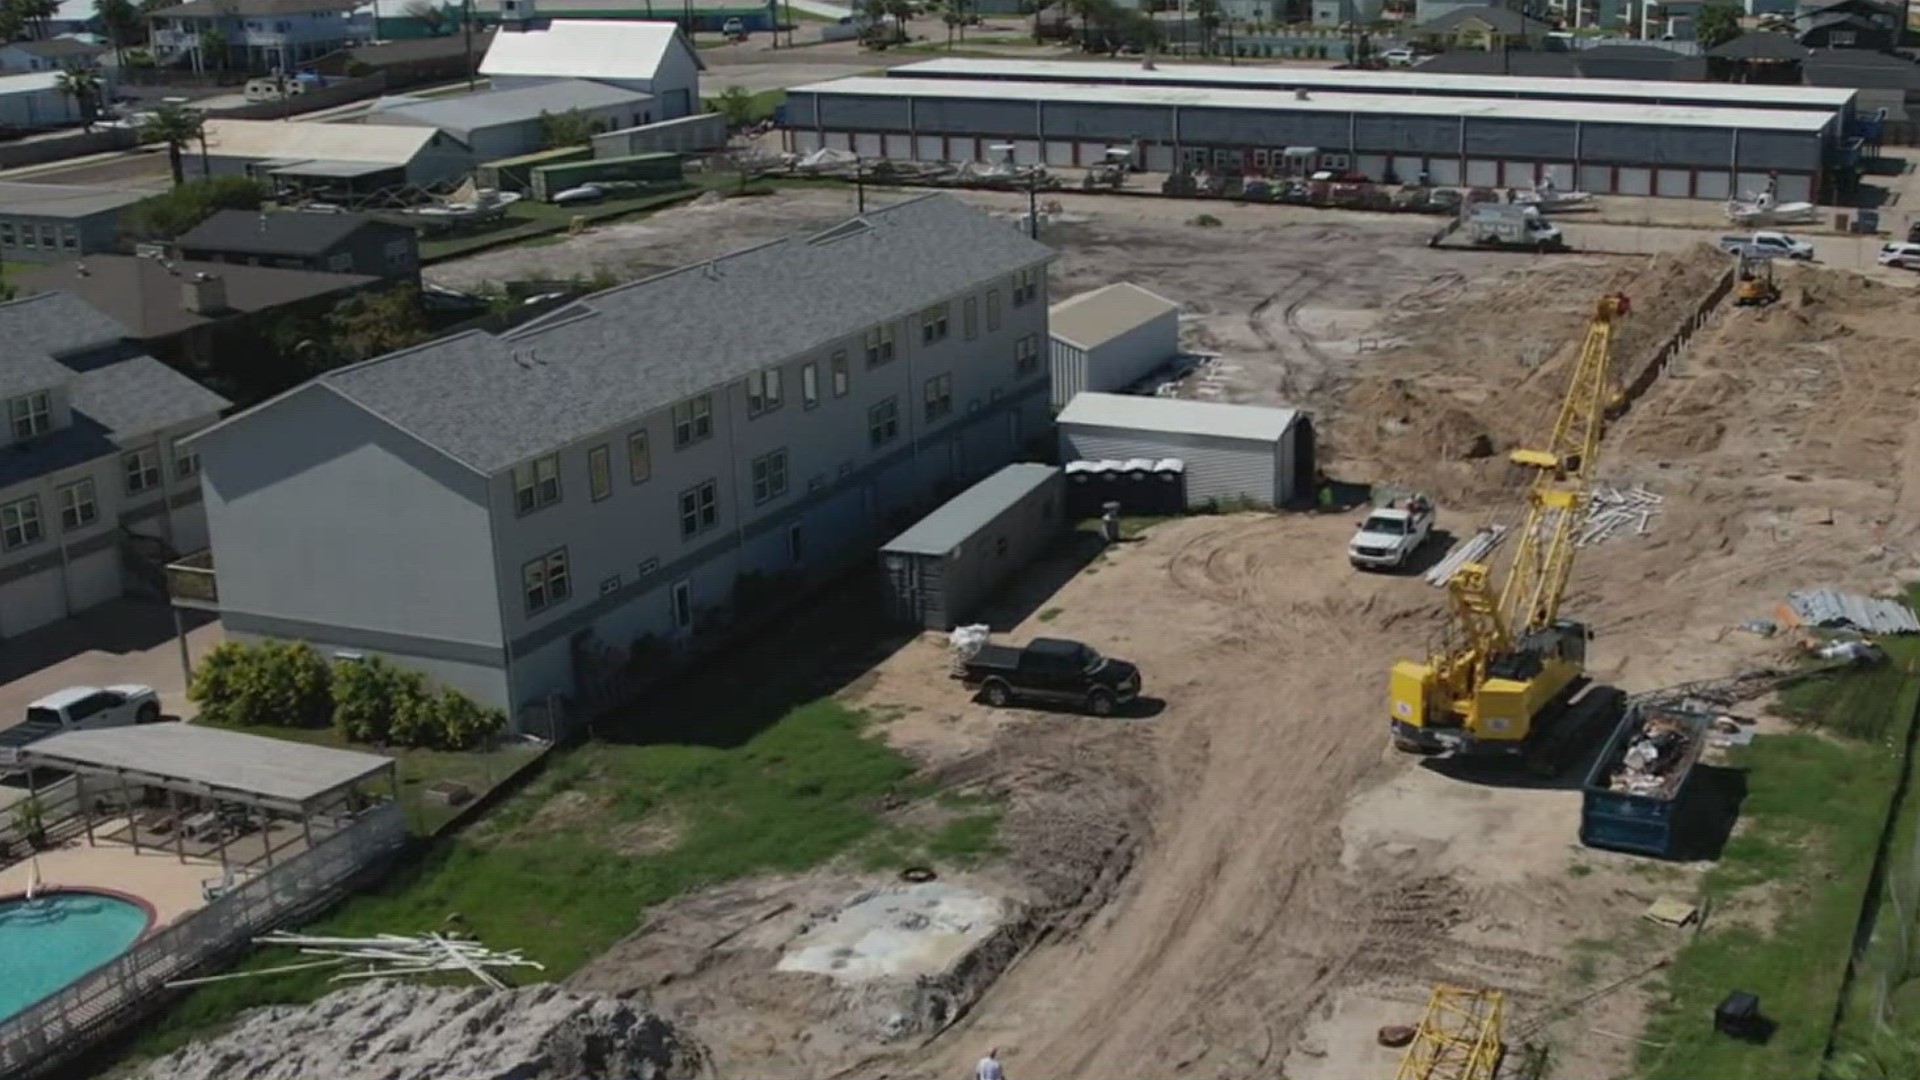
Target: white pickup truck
<point>1391,534</point>
<point>1767,245</point>
<point>79,708</point>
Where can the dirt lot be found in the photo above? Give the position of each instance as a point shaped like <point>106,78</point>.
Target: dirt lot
<point>1245,880</point>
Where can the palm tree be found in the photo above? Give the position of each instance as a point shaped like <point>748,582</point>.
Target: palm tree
<point>901,10</point>
<point>83,86</point>
<point>1038,6</point>
<point>177,127</point>
<point>120,19</point>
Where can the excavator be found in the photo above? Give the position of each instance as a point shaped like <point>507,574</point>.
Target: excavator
<point>1504,676</point>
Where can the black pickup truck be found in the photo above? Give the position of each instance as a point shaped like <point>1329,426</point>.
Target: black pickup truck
<point>1051,670</point>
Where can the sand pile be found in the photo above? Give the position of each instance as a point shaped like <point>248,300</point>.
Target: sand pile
<point>400,1031</point>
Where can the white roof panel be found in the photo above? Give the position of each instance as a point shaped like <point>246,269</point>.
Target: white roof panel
<point>1092,319</point>
<point>387,144</point>
<point>1734,95</point>
<point>231,760</point>
<point>583,49</point>
<point>1593,112</point>
<point>1173,416</point>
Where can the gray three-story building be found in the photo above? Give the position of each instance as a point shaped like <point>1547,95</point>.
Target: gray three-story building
<point>513,513</point>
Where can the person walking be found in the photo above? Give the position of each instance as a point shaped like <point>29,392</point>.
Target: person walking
<point>989,1067</point>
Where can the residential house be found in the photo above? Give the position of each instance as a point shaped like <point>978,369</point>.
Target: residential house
<point>304,240</point>
<point>1345,12</point>
<point>1633,62</point>
<point>255,35</point>
<point>35,101</point>
<point>75,17</point>
<point>510,122</point>
<point>649,57</point>
<point>1486,28</point>
<point>1849,24</point>
<point>201,317</point>
<point>95,485</point>
<point>54,54</point>
<point>691,16</point>
<point>354,159</point>
<point>52,222</point>
<point>536,516</point>
<point>1426,11</point>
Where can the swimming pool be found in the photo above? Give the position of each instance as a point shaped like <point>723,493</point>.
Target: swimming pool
<point>51,940</point>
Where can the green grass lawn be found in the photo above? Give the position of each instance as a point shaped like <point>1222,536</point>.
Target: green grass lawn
<point>1812,817</point>
<point>760,105</point>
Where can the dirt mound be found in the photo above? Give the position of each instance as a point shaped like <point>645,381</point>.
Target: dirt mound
<point>400,1031</point>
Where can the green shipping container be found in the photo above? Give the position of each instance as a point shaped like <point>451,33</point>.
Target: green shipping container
<point>551,180</point>
<point>516,173</point>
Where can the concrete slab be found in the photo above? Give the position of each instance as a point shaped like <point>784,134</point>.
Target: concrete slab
<point>903,931</point>
<point>125,641</point>
<point>163,880</point>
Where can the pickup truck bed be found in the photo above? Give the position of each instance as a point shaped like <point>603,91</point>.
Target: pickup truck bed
<point>19,735</point>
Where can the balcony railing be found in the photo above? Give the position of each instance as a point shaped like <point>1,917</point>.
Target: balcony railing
<point>191,584</point>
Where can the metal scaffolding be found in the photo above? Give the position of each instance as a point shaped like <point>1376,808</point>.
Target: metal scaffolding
<point>1458,1038</point>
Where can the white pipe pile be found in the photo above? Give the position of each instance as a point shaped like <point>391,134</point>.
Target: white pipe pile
<point>1474,549</point>
<point>386,956</point>
<point>1611,511</point>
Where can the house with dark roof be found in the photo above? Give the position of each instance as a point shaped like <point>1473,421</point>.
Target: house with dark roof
<point>1848,24</point>
<point>54,54</point>
<point>335,243</point>
<point>192,314</point>
<point>256,35</point>
<point>1485,28</point>
<point>538,516</point>
<point>95,484</point>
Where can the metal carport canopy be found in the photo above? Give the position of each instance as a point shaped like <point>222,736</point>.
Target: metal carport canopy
<point>222,764</point>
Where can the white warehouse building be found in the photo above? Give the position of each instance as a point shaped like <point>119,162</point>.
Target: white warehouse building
<point>1231,452</point>
<point>1109,339</point>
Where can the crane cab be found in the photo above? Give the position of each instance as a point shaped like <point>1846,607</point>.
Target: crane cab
<point>1520,695</point>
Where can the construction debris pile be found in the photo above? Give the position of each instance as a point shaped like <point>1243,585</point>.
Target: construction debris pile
<point>1832,610</point>
<point>403,1031</point>
<point>385,956</point>
<point>1612,510</point>
<point>1657,758</point>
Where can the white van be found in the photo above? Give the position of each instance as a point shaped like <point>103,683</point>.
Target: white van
<point>1903,256</point>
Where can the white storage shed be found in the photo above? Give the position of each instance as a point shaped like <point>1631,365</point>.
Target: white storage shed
<point>1110,338</point>
<point>1251,452</point>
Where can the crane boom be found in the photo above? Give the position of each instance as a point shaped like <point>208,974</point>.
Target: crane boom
<point>1509,657</point>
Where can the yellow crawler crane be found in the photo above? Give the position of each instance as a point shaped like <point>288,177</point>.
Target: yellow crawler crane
<point>1508,666</point>
<point>1458,1038</point>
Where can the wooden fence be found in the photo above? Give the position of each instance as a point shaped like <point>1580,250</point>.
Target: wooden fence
<point>47,1034</point>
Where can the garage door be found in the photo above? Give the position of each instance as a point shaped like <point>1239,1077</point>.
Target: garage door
<point>1750,184</point>
<point>1675,183</point>
<point>1597,179</point>
<point>1517,174</point>
<point>1483,173</point>
<point>806,142</point>
<point>1059,154</point>
<point>866,144</point>
<point>1795,188</point>
<point>1026,151</point>
<point>839,140</point>
<point>1372,166</point>
<point>1444,172</point>
<point>928,148</point>
<point>1712,185</point>
<point>30,603</point>
<point>1160,158</point>
<point>94,579</point>
<point>1561,173</point>
<point>1636,182</point>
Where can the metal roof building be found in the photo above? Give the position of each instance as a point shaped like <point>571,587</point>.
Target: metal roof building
<point>44,222</point>
<point>940,570</point>
<point>503,123</point>
<point>1109,339</point>
<point>1232,453</point>
<point>650,57</point>
<point>1686,151</point>
<point>1414,82</point>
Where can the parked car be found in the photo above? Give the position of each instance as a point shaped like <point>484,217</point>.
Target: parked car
<point>1767,245</point>
<point>1391,534</point>
<point>79,708</point>
<point>1399,58</point>
<point>734,30</point>
<point>1904,256</point>
<point>1051,670</point>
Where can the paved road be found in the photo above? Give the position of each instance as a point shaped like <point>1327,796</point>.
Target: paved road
<point>1843,252</point>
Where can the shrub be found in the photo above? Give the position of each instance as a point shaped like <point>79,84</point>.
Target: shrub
<point>463,723</point>
<point>376,701</point>
<point>282,683</point>
<point>363,695</point>
<point>167,215</point>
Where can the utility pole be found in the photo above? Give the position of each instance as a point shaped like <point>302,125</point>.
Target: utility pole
<point>1033,207</point>
<point>860,184</point>
<point>466,22</point>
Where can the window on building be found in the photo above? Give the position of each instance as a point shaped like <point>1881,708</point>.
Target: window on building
<point>78,508</point>
<point>880,345</point>
<point>340,263</point>
<point>546,581</point>
<point>399,253</point>
<point>186,460</point>
<point>939,397</point>
<point>69,238</point>
<point>1026,355</point>
<point>692,421</point>
<point>809,384</point>
<point>883,422</point>
<point>933,324</point>
<point>839,366</point>
<point>142,468</point>
<point>769,476</point>
<point>763,391</point>
<point>536,484</point>
<point>993,310</point>
<point>30,415</point>
<point>49,237</point>
<point>20,523</point>
<point>6,234</point>
<point>1026,286</point>
<point>699,509</point>
<point>639,459</point>
<point>970,317</point>
<point>1840,38</point>
<point>610,585</point>
<point>600,472</point>
<point>28,237</point>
